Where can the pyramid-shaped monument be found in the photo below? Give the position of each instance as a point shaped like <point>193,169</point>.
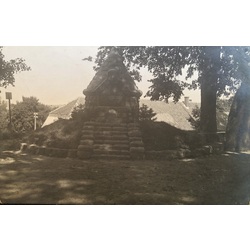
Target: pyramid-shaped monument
<point>112,107</point>
<point>113,94</point>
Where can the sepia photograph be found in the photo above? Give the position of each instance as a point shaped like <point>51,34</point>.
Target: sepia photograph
<point>124,125</point>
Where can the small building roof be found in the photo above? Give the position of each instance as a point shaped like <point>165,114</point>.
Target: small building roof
<point>175,114</point>
<point>63,112</point>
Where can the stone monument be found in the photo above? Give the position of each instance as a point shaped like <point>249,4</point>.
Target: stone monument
<point>112,105</point>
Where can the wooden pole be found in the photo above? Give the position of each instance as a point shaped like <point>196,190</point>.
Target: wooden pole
<point>35,116</point>
<point>10,113</point>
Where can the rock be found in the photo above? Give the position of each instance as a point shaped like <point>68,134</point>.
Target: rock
<point>41,150</point>
<point>87,142</point>
<point>137,153</point>
<point>24,147</point>
<point>137,149</point>
<point>61,153</point>
<point>84,154</point>
<point>84,151</point>
<point>134,133</point>
<point>33,148</point>
<point>136,144</point>
<point>72,153</point>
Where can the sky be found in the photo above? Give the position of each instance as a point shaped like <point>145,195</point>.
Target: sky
<point>58,74</point>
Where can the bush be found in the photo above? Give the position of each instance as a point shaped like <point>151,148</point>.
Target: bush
<point>9,134</point>
<point>10,144</point>
<point>79,114</point>
<point>60,134</point>
<point>162,136</point>
<point>146,113</point>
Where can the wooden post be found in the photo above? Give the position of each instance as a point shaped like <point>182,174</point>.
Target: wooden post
<point>35,117</point>
<point>9,97</point>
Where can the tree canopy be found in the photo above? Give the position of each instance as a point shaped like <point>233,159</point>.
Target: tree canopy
<point>8,69</point>
<point>146,113</point>
<point>167,64</point>
<point>23,114</point>
<point>216,70</point>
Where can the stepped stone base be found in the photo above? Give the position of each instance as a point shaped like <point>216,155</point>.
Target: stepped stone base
<point>119,141</point>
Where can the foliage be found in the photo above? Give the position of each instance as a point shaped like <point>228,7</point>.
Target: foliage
<point>167,64</point>
<point>78,113</point>
<point>9,68</point>
<point>220,70</point>
<point>3,115</point>
<point>162,136</point>
<point>60,134</point>
<point>23,114</point>
<point>9,142</point>
<point>222,111</point>
<point>146,113</point>
<point>223,108</point>
<point>195,119</point>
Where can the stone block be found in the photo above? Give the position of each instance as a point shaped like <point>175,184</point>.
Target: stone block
<point>48,151</point>
<point>33,148</point>
<point>61,153</point>
<point>134,133</point>
<point>87,137</point>
<point>180,154</point>
<point>24,147</point>
<point>137,149</point>
<point>133,125</point>
<point>171,154</point>
<point>84,151</point>
<point>136,144</point>
<point>85,148</point>
<point>84,154</point>
<point>87,142</point>
<point>218,148</point>
<point>53,152</point>
<point>72,153</point>
<point>41,150</point>
<point>88,127</point>
<point>87,132</point>
<point>137,153</point>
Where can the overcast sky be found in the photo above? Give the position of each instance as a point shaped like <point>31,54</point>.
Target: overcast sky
<point>58,75</point>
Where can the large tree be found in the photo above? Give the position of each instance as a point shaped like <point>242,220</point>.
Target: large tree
<point>238,127</point>
<point>215,70</point>
<point>8,69</point>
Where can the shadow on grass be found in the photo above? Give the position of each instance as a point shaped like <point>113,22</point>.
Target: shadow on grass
<point>26,179</point>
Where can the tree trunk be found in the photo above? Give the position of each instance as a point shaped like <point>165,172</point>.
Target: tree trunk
<point>208,107</point>
<point>208,124</point>
<point>238,127</point>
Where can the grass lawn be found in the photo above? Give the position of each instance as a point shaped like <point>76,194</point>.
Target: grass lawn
<point>218,179</point>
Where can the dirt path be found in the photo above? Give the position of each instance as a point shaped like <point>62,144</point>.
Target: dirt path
<point>26,179</point>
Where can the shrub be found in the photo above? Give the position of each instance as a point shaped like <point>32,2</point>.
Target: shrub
<point>146,113</point>
<point>60,134</point>
<point>160,135</point>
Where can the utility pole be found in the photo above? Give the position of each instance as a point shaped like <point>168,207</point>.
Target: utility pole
<point>9,97</point>
<point>35,117</point>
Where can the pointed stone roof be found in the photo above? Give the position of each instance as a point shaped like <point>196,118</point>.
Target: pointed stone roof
<point>112,71</point>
